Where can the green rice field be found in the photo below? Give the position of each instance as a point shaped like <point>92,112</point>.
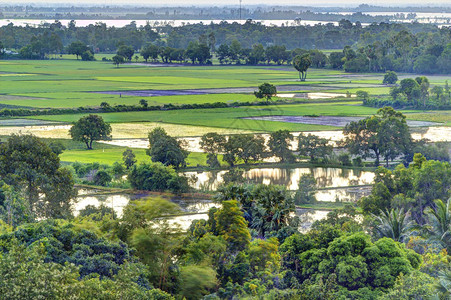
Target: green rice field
<point>70,83</point>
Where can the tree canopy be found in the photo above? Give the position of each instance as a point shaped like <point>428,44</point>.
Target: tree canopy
<point>89,129</point>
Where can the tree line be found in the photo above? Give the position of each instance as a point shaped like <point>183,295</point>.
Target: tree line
<point>378,47</point>
<point>411,92</point>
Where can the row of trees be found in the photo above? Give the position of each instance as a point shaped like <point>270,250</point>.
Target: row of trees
<point>251,148</point>
<point>410,92</point>
<point>401,47</point>
<point>106,39</point>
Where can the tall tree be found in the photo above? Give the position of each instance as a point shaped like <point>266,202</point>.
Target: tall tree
<point>166,149</point>
<point>212,143</point>
<point>77,48</point>
<point>28,164</point>
<point>385,134</point>
<point>129,158</point>
<point>89,129</point>
<point>301,63</point>
<point>314,146</point>
<point>279,145</point>
<point>266,90</point>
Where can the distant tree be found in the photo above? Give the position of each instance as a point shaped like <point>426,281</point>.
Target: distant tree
<point>77,48</point>
<point>125,51</point>
<point>279,145</point>
<point>198,52</point>
<point>57,147</point>
<point>223,53</point>
<point>212,143</point>
<point>118,59</point>
<point>336,60</point>
<point>301,63</point>
<point>411,89</point>
<point>129,158</point>
<point>105,106</point>
<point>102,178</point>
<point>266,90</point>
<point>212,41</point>
<point>157,177</point>
<point>386,134</point>
<point>244,146</point>
<point>390,78</point>
<point>90,128</point>
<point>318,58</point>
<point>306,190</point>
<point>313,146</point>
<point>257,54</point>
<point>166,149</point>
<point>364,95</point>
<point>438,91</point>
<point>425,64</point>
<point>424,84</point>
<point>97,212</point>
<point>150,51</point>
<point>87,56</point>
<point>235,51</point>
<point>143,103</point>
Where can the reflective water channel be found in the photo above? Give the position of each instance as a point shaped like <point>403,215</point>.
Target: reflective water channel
<point>334,184</point>
<point>192,209</point>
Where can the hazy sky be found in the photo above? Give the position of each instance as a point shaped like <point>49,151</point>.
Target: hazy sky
<point>253,2</point>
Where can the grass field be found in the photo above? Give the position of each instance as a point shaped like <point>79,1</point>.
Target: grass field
<point>232,117</point>
<point>109,156</point>
<point>70,83</point>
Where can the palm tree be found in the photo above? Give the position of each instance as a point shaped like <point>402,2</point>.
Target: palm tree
<point>439,225</point>
<point>444,282</point>
<point>394,224</point>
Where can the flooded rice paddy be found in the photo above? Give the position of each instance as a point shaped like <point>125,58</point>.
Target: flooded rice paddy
<point>191,209</point>
<point>329,120</point>
<point>325,177</point>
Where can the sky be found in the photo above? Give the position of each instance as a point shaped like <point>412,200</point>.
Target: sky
<point>248,2</point>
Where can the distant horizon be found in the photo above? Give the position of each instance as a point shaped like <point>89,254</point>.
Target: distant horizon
<point>212,3</point>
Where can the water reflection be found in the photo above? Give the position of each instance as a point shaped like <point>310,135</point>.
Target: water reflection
<point>193,209</point>
<point>116,201</point>
<point>325,177</point>
<point>192,144</point>
<point>308,216</point>
<point>349,194</point>
<point>433,134</point>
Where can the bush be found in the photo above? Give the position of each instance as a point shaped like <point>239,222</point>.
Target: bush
<point>344,159</point>
<point>357,162</point>
<point>87,56</point>
<point>390,78</point>
<point>157,177</point>
<point>102,178</point>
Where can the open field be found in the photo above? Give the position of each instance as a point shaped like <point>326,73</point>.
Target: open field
<point>71,83</point>
<point>109,156</point>
<point>68,83</point>
<point>232,117</point>
<point>119,130</point>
